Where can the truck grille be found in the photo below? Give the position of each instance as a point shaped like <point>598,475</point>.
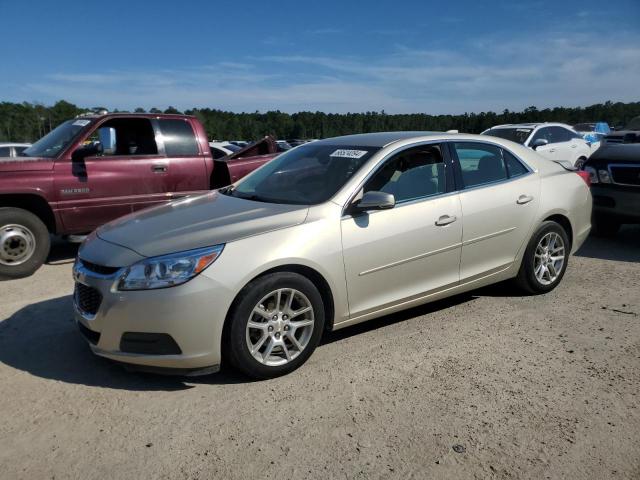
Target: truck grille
<point>625,174</point>
<point>87,299</point>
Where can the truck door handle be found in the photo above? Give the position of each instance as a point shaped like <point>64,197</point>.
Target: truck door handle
<point>445,220</point>
<point>522,199</point>
<point>159,168</point>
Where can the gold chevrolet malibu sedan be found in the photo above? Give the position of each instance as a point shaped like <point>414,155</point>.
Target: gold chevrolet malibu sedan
<point>327,235</point>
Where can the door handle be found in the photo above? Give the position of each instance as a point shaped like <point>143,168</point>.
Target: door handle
<point>574,146</point>
<point>445,220</point>
<point>522,199</point>
<point>159,168</point>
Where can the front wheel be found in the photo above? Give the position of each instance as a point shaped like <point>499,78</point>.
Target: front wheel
<point>545,259</point>
<point>275,325</point>
<point>24,243</point>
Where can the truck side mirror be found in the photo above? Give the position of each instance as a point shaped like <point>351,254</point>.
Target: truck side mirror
<point>107,136</point>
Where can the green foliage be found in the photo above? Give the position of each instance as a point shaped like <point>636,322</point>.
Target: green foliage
<point>28,122</point>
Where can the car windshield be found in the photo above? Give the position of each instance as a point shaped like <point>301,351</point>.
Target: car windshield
<point>308,175</point>
<point>56,140</point>
<point>518,135</point>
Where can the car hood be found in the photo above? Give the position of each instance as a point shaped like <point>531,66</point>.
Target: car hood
<point>17,164</point>
<point>198,221</point>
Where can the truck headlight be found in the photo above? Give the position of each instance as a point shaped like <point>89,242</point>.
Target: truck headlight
<point>168,270</point>
<point>604,176</point>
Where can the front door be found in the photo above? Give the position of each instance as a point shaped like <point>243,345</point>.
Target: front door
<point>499,198</point>
<point>398,254</point>
<point>130,174</point>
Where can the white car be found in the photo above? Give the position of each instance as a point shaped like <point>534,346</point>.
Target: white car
<point>222,149</point>
<point>12,149</point>
<point>554,141</point>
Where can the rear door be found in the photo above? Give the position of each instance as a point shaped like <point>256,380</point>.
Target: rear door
<point>399,254</point>
<point>499,196</point>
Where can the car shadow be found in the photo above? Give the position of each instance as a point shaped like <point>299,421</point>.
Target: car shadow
<point>623,247</point>
<point>43,340</point>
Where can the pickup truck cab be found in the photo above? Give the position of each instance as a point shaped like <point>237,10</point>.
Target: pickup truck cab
<point>95,168</point>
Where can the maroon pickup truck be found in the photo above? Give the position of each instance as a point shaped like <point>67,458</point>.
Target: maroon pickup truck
<point>93,169</point>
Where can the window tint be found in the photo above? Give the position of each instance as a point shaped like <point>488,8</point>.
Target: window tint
<point>5,151</point>
<point>415,173</point>
<point>480,163</point>
<point>179,139</point>
<point>559,134</point>
<point>518,135</point>
<point>19,150</point>
<point>544,133</point>
<point>514,166</point>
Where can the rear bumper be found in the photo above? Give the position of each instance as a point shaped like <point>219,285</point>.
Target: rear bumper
<point>615,203</point>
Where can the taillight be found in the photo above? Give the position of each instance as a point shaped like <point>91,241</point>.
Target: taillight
<point>585,176</point>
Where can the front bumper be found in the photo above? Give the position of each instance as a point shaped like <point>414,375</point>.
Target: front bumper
<point>191,314</point>
<point>622,203</point>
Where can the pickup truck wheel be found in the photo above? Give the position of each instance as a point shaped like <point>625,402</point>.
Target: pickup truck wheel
<point>24,243</point>
<point>274,326</point>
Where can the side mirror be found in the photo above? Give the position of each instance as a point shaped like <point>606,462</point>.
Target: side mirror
<point>107,136</point>
<point>374,201</point>
<point>540,142</point>
<point>88,150</point>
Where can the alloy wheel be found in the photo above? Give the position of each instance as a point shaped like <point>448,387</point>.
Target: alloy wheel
<point>549,258</point>
<point>280,327</point>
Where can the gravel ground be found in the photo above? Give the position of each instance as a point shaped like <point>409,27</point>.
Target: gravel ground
<point>488,384</point>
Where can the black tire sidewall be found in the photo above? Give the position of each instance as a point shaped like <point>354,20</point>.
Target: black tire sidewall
<point>19,216</point>
<point>235,349</point>
<point>528,262</point>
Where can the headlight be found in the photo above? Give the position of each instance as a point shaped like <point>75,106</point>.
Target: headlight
<point>168,270</point>
<point>593,176</point>
<point>604,176</point>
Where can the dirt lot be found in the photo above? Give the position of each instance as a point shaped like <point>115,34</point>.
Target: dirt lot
<point>485,385</point>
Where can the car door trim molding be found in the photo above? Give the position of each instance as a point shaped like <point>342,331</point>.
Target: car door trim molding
<point>411,259</point>
<point>488,236</point>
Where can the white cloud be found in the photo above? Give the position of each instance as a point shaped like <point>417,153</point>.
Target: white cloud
<point>559,68</point>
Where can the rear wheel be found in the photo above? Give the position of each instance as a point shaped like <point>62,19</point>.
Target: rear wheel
<point>545,259</point>
<point>604,227</point>
<point>275,325</point>
<point>24,243</point>
<point>580,163</point>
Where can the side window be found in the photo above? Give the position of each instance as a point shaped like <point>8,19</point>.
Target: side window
<point>5,151</point>
<point>217,153</point>
<point>514,166</point>
<point>126,137</point>
<point>414,173</point>
<point>544,133</point>
<point>480,163</point>
<point>19,150</point>
<point>559,134</point>
<point>179,139</point>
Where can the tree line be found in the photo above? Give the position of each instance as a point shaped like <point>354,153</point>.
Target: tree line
<point>26,122</point>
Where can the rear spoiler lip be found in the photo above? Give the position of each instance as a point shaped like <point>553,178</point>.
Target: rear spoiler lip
<point>566,165</point>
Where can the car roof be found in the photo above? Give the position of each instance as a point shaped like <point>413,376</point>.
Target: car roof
<point>379,139</point>
<point>533,125</point>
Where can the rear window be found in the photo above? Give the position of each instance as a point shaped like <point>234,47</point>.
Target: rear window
<point>518,135</point>
<point>179,139</point>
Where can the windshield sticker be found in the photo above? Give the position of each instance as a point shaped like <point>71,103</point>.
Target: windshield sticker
<point>81,123</point>
<point>349,153</point>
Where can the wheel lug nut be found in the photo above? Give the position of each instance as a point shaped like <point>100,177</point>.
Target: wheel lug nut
<point>285,317</point>
<point>286,328</point>
<point>277,335</point>
<point>275,317</point>
<point>270,328</point>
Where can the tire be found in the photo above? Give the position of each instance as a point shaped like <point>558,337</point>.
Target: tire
<point>604,227</point>
<point>580,163</point>
<point>262,292</point>
<point>24,243</point>
<point>528,278</point>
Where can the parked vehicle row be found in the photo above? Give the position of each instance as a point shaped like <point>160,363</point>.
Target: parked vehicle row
<point>554,141</point>
<point>329,234</point>
<point>96,168</point>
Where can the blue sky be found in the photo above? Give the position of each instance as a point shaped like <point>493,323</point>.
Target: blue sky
<point>334,56</point>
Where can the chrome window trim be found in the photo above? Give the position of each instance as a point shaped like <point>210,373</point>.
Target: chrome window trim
<point>621,165</point>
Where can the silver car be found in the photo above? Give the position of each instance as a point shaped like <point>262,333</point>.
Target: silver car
<point>327,235</point>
